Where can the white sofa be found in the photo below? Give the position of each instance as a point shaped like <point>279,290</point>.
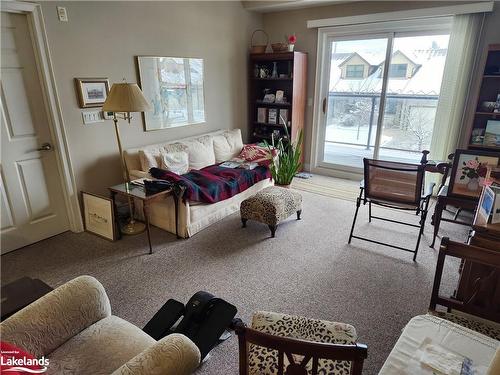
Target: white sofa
<point>203,150</point>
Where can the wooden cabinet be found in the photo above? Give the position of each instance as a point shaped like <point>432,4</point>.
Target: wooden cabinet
<point>290,74</point>
<point>488,92</point>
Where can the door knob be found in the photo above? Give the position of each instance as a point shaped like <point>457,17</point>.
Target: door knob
<point>45,147</point>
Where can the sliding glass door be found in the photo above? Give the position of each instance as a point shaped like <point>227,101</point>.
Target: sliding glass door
<point>379,96</point>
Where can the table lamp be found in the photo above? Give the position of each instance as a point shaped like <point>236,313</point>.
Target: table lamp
<point>123,99</point>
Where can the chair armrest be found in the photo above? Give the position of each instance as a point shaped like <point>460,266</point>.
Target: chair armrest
<point>172,355</point>
<point>47,323</point>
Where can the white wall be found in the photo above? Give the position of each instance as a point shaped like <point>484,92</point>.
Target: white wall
<point>102,39</point>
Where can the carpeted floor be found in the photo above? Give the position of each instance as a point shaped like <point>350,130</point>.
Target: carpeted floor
<point>308,269</point>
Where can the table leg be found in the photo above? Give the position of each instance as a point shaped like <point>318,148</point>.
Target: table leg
<point>176,204</point>
<point>145,208</point>
<point>438,212</point>
<point>115,212</point>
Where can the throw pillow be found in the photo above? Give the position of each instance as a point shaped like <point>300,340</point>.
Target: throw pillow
<point>176,162</point>
<point>256,154</point>
<point>149,159</point>
<point>201,151</point>
<point>227,145</point>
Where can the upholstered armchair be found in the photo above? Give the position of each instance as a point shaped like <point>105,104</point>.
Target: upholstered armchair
<point>73,327</point>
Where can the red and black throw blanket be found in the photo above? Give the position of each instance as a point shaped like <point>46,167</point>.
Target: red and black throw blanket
<point>213,183</point>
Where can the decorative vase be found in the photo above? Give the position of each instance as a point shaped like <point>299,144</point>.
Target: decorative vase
<point>291,47</point>
<point>473,184</point>
<point>275,70</point>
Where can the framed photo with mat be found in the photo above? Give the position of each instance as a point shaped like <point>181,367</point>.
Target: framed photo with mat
<point>98,215</point>
<point>470,169</point>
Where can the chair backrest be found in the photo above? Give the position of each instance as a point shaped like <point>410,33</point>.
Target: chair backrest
<point>290,347</point>
<point>392,181</point>
<point>481,300</point>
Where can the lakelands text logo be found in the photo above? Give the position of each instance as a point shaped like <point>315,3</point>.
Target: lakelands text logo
<point>10,363</point>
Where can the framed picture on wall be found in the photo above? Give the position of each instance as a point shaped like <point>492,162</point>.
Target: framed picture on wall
<point>98,215</point>
<point>91,92</point>
<point>470,170</point>
<point>174,87</point>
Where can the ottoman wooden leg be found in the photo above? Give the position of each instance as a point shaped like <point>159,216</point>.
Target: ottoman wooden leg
<point>243,223</point>
<point>298,214</point>
<point>273,229</point>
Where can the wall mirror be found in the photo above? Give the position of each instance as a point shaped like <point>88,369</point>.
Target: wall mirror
<point>174,88</point>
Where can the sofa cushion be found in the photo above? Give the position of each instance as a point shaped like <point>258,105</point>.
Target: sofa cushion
<point>177,162</point>
<point>227,145</point>
<point>150,156</point>
<point>99,349</point>
<point>201,151</point>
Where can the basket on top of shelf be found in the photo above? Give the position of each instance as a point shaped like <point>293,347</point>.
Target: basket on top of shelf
<point>258,48</point>
<point>280,47</point>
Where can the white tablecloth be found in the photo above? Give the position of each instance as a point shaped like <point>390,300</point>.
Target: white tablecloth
<point>479,348</point>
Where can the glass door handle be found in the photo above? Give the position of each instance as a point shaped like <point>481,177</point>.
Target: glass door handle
<point>45,147</point>
<point>324,106</point>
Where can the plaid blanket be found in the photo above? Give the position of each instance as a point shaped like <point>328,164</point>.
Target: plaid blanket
<point>213,183</point>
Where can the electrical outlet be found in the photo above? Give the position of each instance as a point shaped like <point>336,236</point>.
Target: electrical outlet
<point>62,14</point>
<point>90,117</point>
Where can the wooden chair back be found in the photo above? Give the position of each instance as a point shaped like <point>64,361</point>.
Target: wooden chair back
<point>394,182</point>
<point>309,350</point>
<point>486,308</point>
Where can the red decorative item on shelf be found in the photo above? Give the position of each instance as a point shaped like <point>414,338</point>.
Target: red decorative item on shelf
<point>292,39</point>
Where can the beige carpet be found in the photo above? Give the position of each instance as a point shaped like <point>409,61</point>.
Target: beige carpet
<point>308,269</point>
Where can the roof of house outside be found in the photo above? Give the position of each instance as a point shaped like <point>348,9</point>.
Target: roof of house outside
<point>426,81</point>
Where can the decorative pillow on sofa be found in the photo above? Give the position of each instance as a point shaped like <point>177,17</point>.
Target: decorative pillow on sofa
<point>201,151</point>
<point>177,162</point>
<point>227,145</point>
<point>256,154</point>
<point>151,157</point>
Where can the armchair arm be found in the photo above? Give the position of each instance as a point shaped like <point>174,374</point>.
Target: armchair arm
<point>172,355</point>
<point>51,320</point>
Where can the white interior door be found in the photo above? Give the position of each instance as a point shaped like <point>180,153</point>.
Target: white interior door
<point>32,203</point>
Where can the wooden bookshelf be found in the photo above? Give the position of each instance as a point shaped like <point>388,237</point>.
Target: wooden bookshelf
<point>489,91</point>
<point>294,66</point>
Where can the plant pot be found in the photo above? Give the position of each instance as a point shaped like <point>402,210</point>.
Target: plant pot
<point>283,186</point>
<point>473,184</point>
<point>291,47</point>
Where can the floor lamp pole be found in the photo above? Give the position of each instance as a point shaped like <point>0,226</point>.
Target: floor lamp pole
<point>133,227</point>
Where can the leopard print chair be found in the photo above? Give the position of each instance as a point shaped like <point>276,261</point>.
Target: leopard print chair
<point>273,359</point>
<point>271,206</point>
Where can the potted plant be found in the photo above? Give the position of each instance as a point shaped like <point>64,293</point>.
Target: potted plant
<point>287,161</point>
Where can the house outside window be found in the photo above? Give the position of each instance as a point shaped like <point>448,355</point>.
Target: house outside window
<point>355,71</point>
<point>398,70</point>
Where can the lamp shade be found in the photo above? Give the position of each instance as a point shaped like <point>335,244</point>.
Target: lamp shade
<point>125,97</point>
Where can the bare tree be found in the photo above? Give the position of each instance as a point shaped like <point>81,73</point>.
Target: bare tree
<point>419,121</point>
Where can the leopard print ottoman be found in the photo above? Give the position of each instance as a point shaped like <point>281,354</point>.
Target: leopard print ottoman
<point>271,206</point>
<point>263,361</point>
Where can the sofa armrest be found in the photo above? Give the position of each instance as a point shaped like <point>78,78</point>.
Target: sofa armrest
<point>47,323</point>
<point>172,355</point>
<point>135,174</point>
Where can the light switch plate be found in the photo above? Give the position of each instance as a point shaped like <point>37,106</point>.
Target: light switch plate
<point>90,117</point>
<point>62,14</point>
